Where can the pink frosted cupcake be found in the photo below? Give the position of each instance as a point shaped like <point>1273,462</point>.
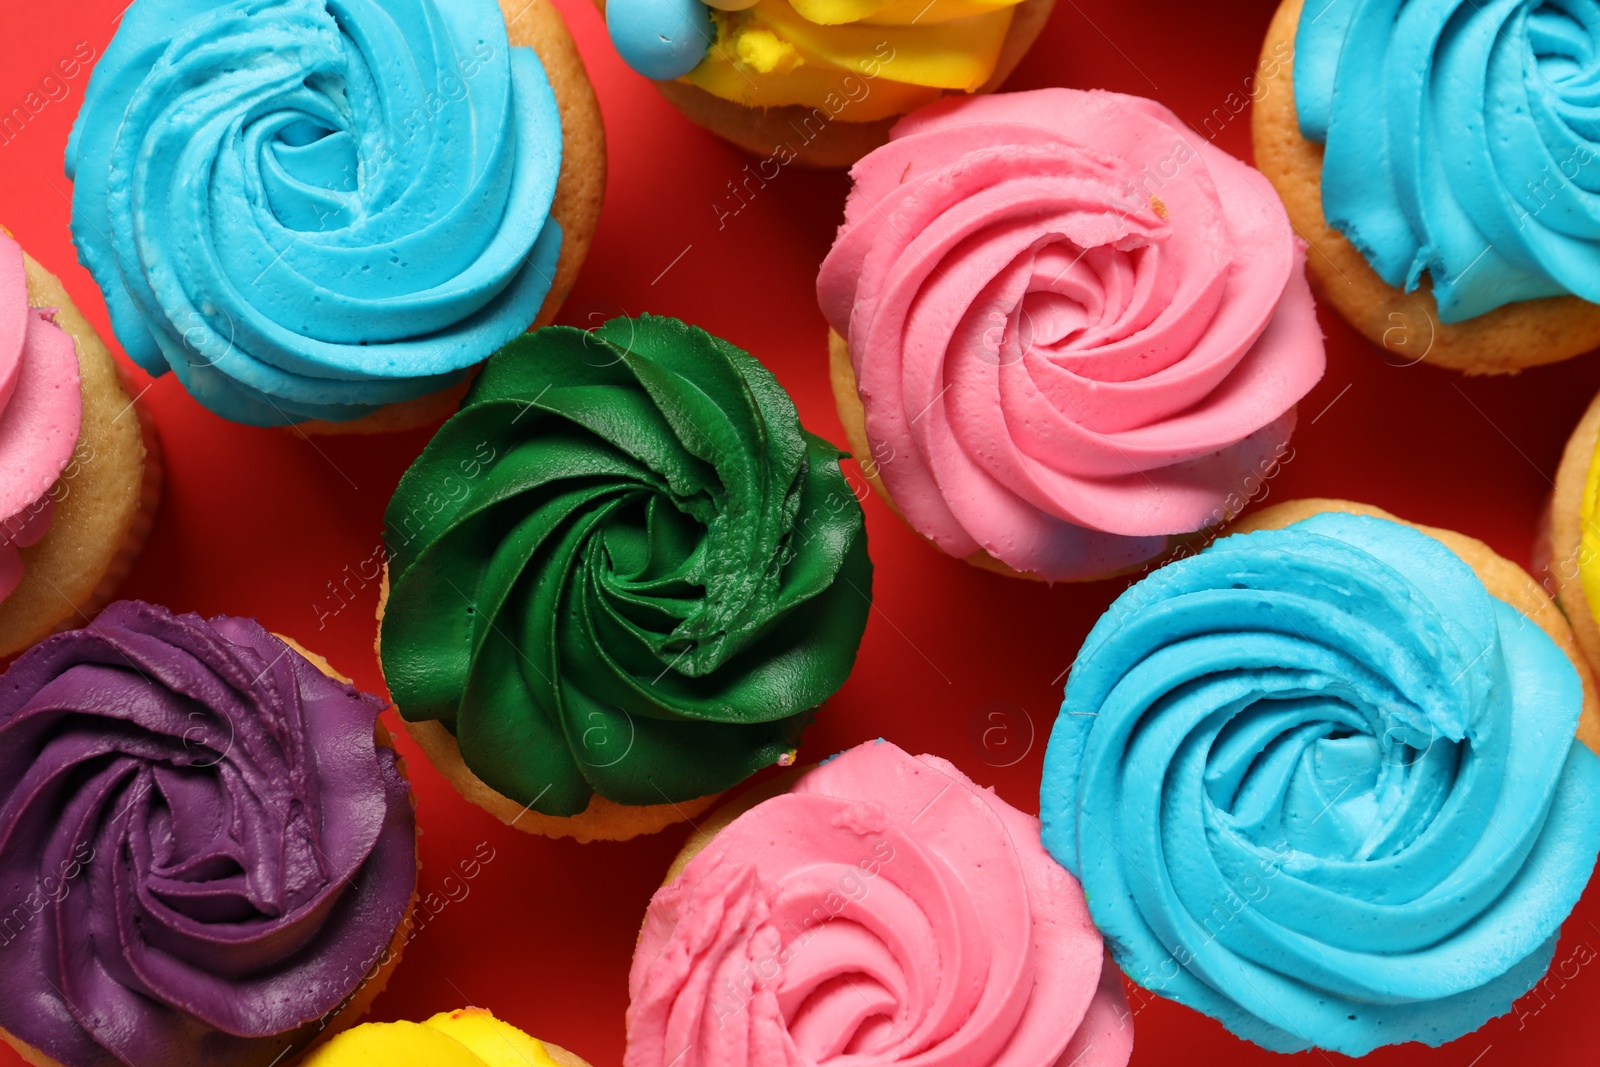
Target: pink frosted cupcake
<point>1067,333</point>
<point>79,470</point>
<point>884,910</point>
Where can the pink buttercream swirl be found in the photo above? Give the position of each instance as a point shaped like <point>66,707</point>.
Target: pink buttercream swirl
<point>41,411</point>
<point>1076,327</point>
<point>884,911</point>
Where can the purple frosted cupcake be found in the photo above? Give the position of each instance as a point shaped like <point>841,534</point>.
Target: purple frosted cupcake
<point>207,845</point>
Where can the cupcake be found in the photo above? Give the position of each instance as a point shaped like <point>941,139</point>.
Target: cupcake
<point>79,472</point>
<point>327,216</point>
<point>1569,542</point>
<point>819,81</point>
<point>471,1037</point>
<point>207,846</point>
<point>620,580</point>
<point>883,909</point>
<point>1320,780</point>
<point>1067,334</point>
<point>1440,161</point>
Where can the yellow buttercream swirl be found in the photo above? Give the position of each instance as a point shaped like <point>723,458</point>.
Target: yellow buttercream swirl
<point>471,1037</point>
<point>863,60</point>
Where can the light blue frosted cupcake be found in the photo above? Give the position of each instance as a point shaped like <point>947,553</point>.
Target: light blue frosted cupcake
<point>316,211</point>
<point>1442,158</point>
<point>1320,781</point>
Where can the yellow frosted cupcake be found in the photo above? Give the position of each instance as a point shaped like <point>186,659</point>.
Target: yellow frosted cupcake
<point>471,1037</point>
<point>819,81</point>
<point>1569,548</point>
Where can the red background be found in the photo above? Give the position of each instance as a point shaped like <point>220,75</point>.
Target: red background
<point>259,522</point>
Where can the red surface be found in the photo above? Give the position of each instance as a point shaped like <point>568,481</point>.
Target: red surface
<point>267,523</point>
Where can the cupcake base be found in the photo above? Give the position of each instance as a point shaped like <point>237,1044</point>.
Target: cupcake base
<point>1407,325</point>
<point>580,188</point>
<point>853,414</point>
<point>602,820</point>
<point>838,142</point>
<point>105,501</point>
<point>562,1056</point>
<point>1501,577</point>
<point>718,820</point>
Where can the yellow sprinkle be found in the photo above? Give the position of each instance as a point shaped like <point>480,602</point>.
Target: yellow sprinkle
<point>1158,206</point>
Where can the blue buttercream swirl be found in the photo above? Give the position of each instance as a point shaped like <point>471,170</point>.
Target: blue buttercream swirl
<point>308,209</point>
<point>1463,139</point>
<point>1320,784</point>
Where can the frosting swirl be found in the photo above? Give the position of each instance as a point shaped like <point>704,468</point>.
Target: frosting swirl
<point>41,412</point>
<point>201,844</point>
<point>471,1037</point>
<point>308,209</point>
<point>862,60</point>
<point>1074,329</point>
<point>1461,141</point>
<point>1320,784</point>
<point>885,911</point>
<point>623,568</point>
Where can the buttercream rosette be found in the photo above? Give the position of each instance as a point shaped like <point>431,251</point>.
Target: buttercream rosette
<point>1073,329</point>
<point>622,574</point>
<point>203,848</point>
<point>1321,784</point>
<point>885,910</point>
<point>309,211</point>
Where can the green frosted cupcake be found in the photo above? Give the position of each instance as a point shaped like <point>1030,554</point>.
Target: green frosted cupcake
<point>620,580</point>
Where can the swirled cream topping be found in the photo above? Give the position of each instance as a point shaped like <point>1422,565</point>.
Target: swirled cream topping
<point>884,911</point>
<point>1320,784</point>
<point>309,209</point>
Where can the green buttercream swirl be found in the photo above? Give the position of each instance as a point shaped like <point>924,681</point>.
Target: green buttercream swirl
<point>623,568</point>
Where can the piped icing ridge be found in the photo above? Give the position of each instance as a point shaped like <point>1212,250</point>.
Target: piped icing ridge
<point>623,568</point>
<point>471,1037</point>
<point>862,60</point>
<point>41,412</point>
<point>885,910</point>
<point>201,843</point>
<point>1461,141</point>
<point>1075,329</point>
<point>1320,784</point>
<point>308,210</point>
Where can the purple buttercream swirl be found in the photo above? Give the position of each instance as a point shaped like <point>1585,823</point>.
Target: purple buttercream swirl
<point>202,846</point>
